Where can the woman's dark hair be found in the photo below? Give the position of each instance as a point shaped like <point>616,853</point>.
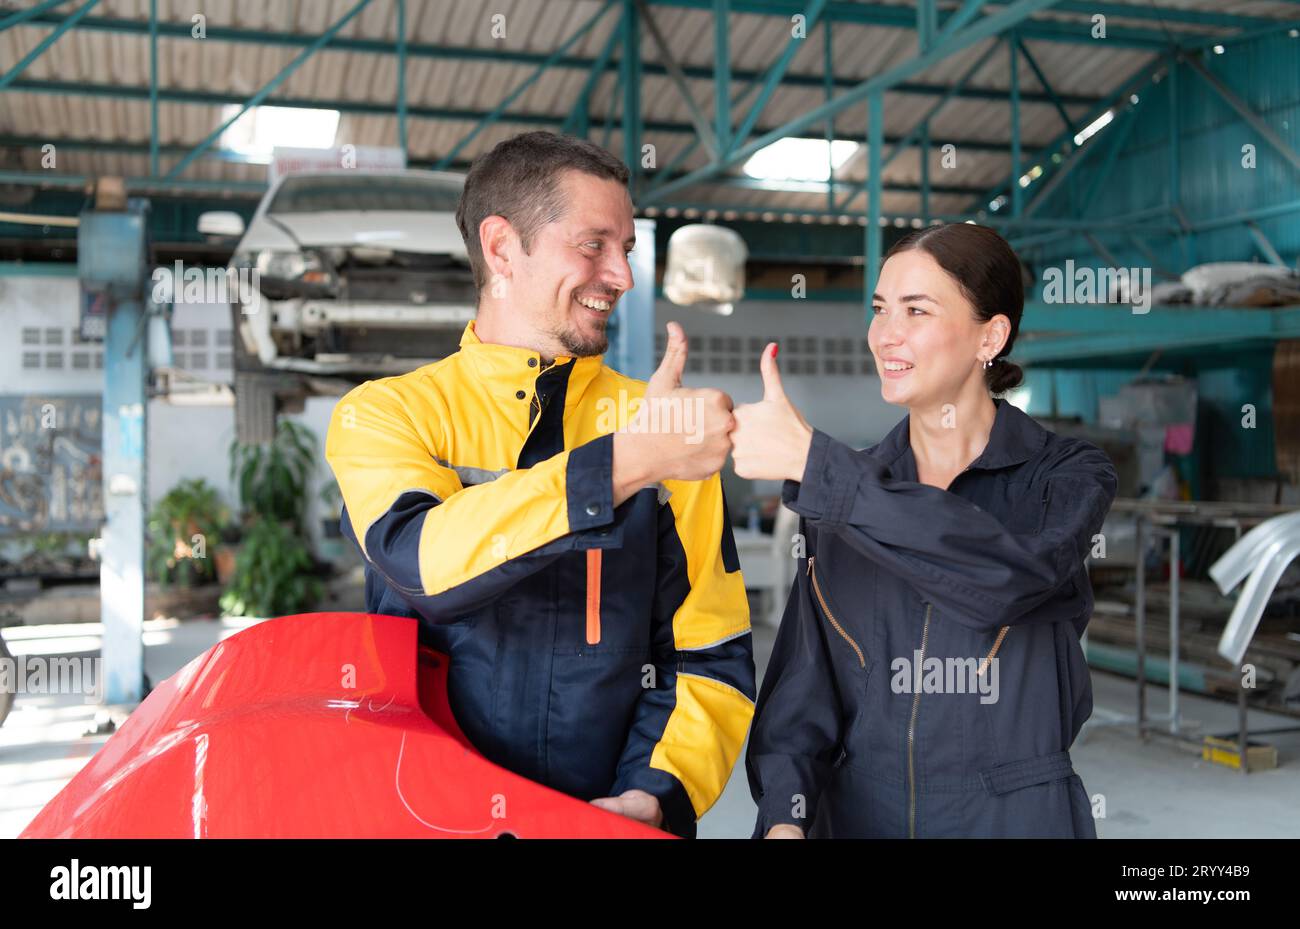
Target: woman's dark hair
<point>988,272</point>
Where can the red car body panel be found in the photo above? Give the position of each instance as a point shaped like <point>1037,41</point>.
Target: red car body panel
<point>320,725</point>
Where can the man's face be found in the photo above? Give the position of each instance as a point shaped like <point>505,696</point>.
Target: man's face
<point>566,286</point>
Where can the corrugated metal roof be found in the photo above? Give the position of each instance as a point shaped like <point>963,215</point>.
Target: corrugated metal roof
<point>107,56</point>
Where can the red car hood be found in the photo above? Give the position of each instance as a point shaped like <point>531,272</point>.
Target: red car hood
<point>319,725</point>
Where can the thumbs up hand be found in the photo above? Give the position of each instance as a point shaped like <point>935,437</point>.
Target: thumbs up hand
<point>668,376</point>
<point>771,438</point>
<point>677,433</point>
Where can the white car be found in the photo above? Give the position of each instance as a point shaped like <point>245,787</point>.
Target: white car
<point>358,274</point>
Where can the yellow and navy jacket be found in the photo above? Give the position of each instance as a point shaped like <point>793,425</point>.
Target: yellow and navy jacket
<point>593,648</point>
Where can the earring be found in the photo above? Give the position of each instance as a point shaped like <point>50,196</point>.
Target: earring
<point>988,363</point>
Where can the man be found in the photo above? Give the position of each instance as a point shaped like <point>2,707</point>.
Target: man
<point>585,583</point>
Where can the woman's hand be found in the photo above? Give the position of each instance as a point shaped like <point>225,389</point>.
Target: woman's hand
<point>771,439</point>
<point>784,831</point>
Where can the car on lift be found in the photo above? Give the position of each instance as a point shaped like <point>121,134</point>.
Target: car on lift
<point>355,274</point>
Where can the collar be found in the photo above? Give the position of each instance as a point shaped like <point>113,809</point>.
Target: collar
<point>505,369</point>
<point>1014,439</point>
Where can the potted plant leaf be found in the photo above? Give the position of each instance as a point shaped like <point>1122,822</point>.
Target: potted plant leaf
<point>275,570</point>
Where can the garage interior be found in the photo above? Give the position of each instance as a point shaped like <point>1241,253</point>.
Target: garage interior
<point>1142,158</point>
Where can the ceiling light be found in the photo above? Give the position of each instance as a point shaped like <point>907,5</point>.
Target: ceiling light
<point>263,128</point>
<point>792,159</point>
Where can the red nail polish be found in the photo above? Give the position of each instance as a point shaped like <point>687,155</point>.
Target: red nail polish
<point>775,348</point>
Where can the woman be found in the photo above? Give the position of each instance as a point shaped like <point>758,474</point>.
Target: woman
<point>960,537</point>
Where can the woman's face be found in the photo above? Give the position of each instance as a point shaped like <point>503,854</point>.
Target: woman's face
<point>925,328</point>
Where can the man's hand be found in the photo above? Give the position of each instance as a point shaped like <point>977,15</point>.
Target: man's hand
<point>634,804</point>
<point>784,831</point>
<point>771,438</point>
<point>677,433</point>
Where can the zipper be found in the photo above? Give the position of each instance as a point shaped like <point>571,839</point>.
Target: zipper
<point>862,660</point>
<point>1002,634</point>
<point>911,731</point>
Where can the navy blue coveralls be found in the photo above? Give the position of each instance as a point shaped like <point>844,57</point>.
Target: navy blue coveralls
<point>858,732</point>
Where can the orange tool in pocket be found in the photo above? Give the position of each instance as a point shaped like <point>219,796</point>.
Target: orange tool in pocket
<point>593,596</point>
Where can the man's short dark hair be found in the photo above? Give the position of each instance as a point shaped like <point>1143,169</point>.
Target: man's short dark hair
<point>520,180</point>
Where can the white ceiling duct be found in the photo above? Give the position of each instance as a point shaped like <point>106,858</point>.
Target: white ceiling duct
<point>706,265</point>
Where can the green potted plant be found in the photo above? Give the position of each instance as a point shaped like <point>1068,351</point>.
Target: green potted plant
<point>183,534</point>
<point>274,571</point>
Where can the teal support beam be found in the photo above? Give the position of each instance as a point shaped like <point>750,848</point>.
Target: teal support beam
<point>401,76</point>
<point>1101,332</point>
<point>580,115</point>
<point>1157,266</point>
<point>698,119</point>
<point>1080,154</point>
<point>1103,346</point>
<point>668,172</point>
<point>630,68</point>
<point>1047,86</point>
<point>1262,212</point>
<point>66,24</point>
<point>789,186</point>
<point>50,179</point>
<point>816,82</point>
<point>1175,193</point>
<point>113,264</point>
<point>15,19</point>
<point>828,93</point>
<point>1151,219</point>
<point>926,25</point>
<point>1135,82</point>
<point>1118,136</point>
<point>1266,132</point>
<point>910,139</point>
<point>875,142</point>
<point>1260,30</point>
<point>1088,319</point>
<point>154,168</point>
<point>722,74</point>
<point>383,109</point>
<point>963,15</point>
<point>925,172</point>
<point>514,95</point>
<point>990,25</point>
<point>268,89</point>
<point>1017,190</point>
<point>774,75</point>
<point>1102,251</point>
<point>1265,246</point>
<point>899,16</point>
<point>86,143</point>
<point>615,100</point>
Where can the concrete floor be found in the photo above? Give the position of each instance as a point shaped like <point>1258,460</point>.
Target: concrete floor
<point>1156,789</point>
